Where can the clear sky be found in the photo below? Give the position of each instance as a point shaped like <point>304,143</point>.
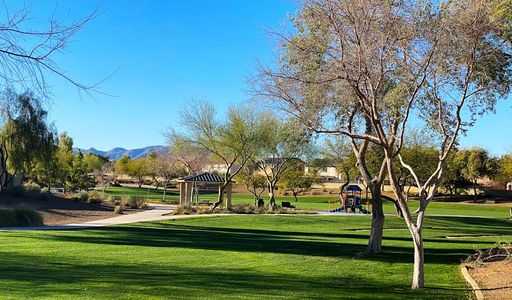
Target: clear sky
<point>169,52</point>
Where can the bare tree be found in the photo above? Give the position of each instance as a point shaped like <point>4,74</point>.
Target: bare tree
<point>362,69</point>
<point>26,54</point>
<point>26,59</point>
<point>105,175</point>
<point>191,156</point>
<point>167,168</point>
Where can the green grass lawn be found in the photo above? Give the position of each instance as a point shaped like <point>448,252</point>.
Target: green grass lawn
<point>320,202</point>
<point>242,257</point>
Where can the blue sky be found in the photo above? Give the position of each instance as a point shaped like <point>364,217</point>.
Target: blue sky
<point>166,53</point>
<point>169,52</point>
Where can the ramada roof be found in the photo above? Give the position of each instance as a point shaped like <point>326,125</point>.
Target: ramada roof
<point>203,177</point>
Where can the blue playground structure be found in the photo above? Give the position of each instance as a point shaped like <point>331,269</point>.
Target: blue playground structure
<point>350,198</point>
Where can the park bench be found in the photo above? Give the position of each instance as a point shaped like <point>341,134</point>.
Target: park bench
<point>287,205</point>
<point>205,202</point>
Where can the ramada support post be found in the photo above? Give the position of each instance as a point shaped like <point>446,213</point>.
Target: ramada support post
<point>182,194</point>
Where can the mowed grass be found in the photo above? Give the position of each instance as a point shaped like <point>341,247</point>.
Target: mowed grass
<point>240,257</point>
<point>321,202</point>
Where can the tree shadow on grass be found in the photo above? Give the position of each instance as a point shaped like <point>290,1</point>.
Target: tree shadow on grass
<point>473,224</point>
<point>336,245</point>
<point>32,276</point>
<point>49,276</point>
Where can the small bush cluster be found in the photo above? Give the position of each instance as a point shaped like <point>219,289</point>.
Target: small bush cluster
<point>246,209</point>
<point>238,209</point>
<point>82,196</point>
<point>195,210</point>
<point>134,202</point>
<point>186,210</point>
<point>285,211</point>
<point>115,200</point>
<point>250,209</point>
<point>20,217</point>
<point>32,187</point>
<point>118,209</point>
<point>95,197</point>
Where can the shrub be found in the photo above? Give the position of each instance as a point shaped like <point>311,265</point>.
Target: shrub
<point>186,210</point>
<point>243,209</point>
<point>115,200</point>
<point>95,197</point>
<point>118,209</point>
<point>44,194</point>
<point>83,196</point>
<point>204,210</point>
<point>135,202</point>
<point>20,217</point>
<point>280,210</point>
<point>17,191</point>
<point>32,187</point>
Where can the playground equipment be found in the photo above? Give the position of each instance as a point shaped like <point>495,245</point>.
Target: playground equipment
<point>350,198</point>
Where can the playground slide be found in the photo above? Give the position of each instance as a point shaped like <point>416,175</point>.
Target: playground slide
<point>362,209</point>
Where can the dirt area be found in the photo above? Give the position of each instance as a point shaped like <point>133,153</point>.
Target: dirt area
<point>495,279</point>
<point>60,211</point>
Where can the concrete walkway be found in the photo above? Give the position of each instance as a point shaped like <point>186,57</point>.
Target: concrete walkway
<point>156,213</point>
<point>163,212</point>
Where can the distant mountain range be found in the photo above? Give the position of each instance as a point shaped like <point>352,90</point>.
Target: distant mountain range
<point>117,153</point>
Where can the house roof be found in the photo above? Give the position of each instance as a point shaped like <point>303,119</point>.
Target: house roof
<point>203,177</point>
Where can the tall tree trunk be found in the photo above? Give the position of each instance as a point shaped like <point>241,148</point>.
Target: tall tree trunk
<point>272,201</point>
<point>474,190</point>
<point>418,276</point>
<point>377,229</point>
<point>157,183</point>
<point>347,182</point>
<point>220,198</point>
<point>271,196</point>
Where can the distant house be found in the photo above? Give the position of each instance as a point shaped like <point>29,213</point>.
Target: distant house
<point>509,186</point>
<point>214,168</point>
<point>271,162</point>
<point>326,173</point>
<point>268,163</point>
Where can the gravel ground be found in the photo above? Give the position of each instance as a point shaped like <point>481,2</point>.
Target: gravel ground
<point>61,211</point>
<point>495,279</point>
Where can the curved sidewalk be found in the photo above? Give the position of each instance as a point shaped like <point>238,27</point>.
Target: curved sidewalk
<point>158,212</point>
